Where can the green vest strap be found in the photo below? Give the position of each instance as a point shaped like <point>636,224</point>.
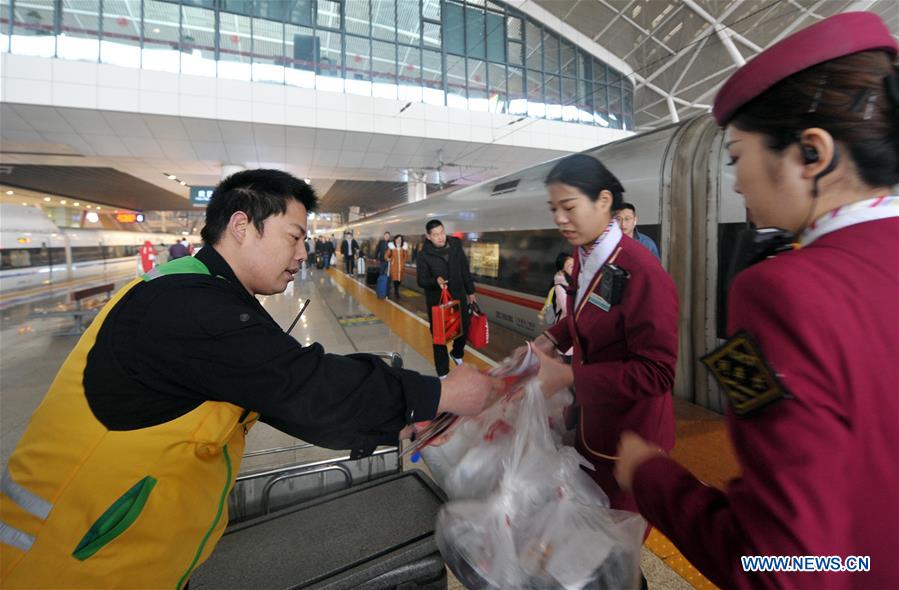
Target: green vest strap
<point>179,266</point>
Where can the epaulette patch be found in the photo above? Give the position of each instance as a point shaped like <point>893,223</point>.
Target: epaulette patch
<point>744,374</point>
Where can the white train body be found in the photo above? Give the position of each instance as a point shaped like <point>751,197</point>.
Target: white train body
<point>35,252</point>
<point>685,201</point>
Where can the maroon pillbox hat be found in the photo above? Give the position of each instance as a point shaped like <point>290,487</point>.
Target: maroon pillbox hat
<point>839,35</point>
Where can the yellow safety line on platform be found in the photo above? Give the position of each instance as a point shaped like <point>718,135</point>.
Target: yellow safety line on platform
<point>399,322</point>
<point>419,338</point>
<point>667,552</point>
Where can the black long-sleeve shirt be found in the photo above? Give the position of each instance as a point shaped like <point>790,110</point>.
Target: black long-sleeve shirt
<point>177,341</point>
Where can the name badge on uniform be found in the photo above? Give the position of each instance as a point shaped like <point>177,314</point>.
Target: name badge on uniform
<point>599,302</point>
<point>743,373</point>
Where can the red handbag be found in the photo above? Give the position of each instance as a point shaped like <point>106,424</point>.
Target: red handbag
<point>478,329</point>
<point>446,319</point>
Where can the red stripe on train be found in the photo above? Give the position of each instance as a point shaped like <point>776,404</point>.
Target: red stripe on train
<point>502,296</point>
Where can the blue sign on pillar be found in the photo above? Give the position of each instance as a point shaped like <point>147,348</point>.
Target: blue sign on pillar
<point>200,195</point>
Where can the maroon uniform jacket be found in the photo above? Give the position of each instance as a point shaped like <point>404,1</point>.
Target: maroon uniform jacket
<point>623,361</point>
<point>821,465</point>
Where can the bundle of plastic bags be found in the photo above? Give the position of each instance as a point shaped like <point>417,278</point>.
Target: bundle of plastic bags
<point>522,513</point>
<point>474,444</point>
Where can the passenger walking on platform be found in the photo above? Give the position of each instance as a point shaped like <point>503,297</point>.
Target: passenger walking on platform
<point>177,250</point>
<point>349,249</point>
<point>381,252</point>
<point>810,370</point>
<point>147,256</point>
<point>627,219</point>
<point>561,284</point>
<point>621,320</point>
<point>397,256</point>
<point>442,264</point>
<point>327,249</point>
<point>122,476</point>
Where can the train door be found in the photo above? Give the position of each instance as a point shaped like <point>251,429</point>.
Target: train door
<point>706,216</point>
<point>726,219</point>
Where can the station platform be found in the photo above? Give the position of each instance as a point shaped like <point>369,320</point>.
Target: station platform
<point>344,316</point>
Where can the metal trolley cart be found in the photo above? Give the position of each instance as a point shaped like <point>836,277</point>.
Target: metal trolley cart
<point>330,524</point>
<point>376,535</point>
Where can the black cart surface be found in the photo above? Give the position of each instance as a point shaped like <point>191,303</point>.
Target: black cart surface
<point>375,535</point>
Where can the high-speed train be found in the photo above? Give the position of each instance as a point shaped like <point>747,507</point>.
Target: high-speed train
<point>34,251</point>
<point>676,178</point>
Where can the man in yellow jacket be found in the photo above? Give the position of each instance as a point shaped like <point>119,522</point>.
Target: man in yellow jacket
<point>122,475</point>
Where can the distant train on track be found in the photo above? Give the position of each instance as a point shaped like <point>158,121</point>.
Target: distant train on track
<point>34,251</point>
<point>677,179</point>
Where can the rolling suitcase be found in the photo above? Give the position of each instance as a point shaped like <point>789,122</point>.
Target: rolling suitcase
<point>383,286</point>
<point>371,275</point>
<point>320,261</point>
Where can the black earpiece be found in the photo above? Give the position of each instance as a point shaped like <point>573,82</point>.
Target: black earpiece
<point>809,154</point>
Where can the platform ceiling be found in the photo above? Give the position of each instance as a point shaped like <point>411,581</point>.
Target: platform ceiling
<point>686,49</point>
<point>678,52</point>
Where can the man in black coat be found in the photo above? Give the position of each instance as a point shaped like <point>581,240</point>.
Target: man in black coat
<point>349,248</point>
<point>381,251</point>
<point>442,264</point>
<point>327,248</point>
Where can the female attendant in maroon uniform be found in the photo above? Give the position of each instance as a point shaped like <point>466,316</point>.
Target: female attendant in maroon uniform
<point>621,320</point>
<point>811,369</point>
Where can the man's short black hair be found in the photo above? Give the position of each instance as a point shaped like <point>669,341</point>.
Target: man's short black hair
<point>258,193</point>
<point>627,206</point>
<point>432,224</point>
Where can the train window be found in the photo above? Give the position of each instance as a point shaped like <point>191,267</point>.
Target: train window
<point>30,257</point>
<point>727,241</point>
<point>526,259</point>
<point>86,253</point>
<point>15,258</point>
<point>483,259</point>
<point>43,257</point>
<point>415,246</point>
<point>119,251</point>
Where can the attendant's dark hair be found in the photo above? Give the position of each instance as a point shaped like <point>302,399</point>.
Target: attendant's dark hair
<point>400,238</point>
<point>588,175</point>
<point>560,267</point>
<point>432,224</point>
<point>258,193</point>
<point>627,206</point>
<point>560,260</point>
<point>855,98</point>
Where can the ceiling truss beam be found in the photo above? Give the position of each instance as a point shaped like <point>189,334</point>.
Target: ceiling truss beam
<point>719,26</point>
<point>634,24</point>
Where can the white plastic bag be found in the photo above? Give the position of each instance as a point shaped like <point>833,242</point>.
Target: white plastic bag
<point>532,519</point>
<point>487,427</point>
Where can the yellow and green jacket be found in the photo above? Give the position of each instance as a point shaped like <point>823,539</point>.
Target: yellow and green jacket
<point>122,476</point>
<point>83,506</point>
